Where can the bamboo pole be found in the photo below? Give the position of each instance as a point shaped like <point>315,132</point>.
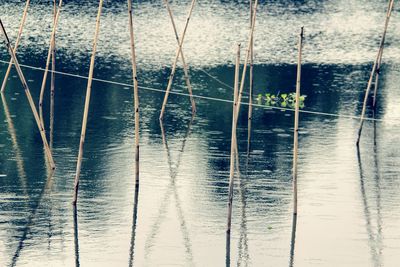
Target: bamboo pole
<point>251,80</point>
<point>51,126</point>
<point>391,3</point>
<point>49,54</point>
<point>377,73</point>
<point>178,52</point>
<point>21,27</point>
<point>233,142</point>
<point>53,78</point>
<point>135,91</point>
<point>246,61</point>
<point>29,96</point>
<point>296,121</point>
<point>87,102</point>
<point>185,67</point>
<point>378,68</point>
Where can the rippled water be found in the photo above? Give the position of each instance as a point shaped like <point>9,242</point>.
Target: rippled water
<point>348,200</point>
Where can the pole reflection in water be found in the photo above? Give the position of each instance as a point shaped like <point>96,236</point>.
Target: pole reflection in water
<point>16,148</point>
<point>27,229</point>
<point>172,190</point>
<point>243,247</point>
<point>375,240</point>
<point>293,240</point>
<point>379,237</point>
<point>133,235</point>
<point>228,250</point>
<point>76,236</point>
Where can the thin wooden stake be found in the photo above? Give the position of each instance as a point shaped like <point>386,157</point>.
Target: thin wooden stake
<point>135,91</point>
<point>21,27</point>
<point>233,141</point>
<point>296,122</point>
<point>246,61</point>
<point>378,68</point>
<point>29,96</point>
<point>374,70</point>
<point>52,81</point>
<point>251,80</point>
<point>49,54</point>
<point>87,102</point>
<point>185,67</point>
<point>178,52</point>
<point>377,73</point>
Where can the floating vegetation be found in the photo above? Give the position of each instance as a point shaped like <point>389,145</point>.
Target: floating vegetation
<point>286,100</point>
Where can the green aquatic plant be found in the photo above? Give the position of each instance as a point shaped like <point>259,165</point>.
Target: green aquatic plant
<point>285,100</point>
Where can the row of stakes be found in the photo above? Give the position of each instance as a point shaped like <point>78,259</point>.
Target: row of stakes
<point>237,95</point>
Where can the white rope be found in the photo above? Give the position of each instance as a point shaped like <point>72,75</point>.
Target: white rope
<point>208,97</point>
<point>217,80</point>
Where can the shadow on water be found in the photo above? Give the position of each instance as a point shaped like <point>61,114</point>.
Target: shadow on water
<point>76,236</point>
<point>26,230</point>
<point>167,197</point>
<point>133,235</point>
<point>375,239</point>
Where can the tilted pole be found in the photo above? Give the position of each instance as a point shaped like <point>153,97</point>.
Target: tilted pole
<point>233,142</point>
<point>53,80</point>
<point>378,68</point>
<point>178,52</point>
<point>185,67</point>
<point>87,102</point>
<point>251,82</point>
<point>49,54</point>
<point>246,61</point>
<point>29,96</point>
<point>21,27</point>
<point>364,108</point>
<point>135,91</point>
<point>296,121</point>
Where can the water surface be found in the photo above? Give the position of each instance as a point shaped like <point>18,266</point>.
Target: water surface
<point>348,199</point>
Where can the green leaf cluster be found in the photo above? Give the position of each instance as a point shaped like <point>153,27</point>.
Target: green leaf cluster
<point>281,100</point>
